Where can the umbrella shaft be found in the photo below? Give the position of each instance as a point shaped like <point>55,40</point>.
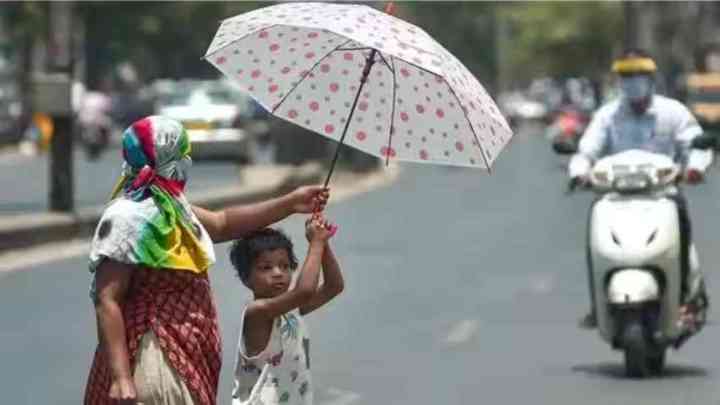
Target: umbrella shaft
<point>366,72</point>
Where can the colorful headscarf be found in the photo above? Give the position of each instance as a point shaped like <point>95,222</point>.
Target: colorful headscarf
<point>149,222</point>
<point>157,155</point>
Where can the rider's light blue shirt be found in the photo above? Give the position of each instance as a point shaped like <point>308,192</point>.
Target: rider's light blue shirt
<point>666,127</point>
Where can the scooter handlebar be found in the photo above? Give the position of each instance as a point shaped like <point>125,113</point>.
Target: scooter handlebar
<point>575,183</point>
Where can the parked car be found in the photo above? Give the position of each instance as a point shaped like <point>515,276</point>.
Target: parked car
<point>518,106</point>
<point>223,123</point>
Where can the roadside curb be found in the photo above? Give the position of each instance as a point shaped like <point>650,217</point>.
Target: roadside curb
<point>26,230</point>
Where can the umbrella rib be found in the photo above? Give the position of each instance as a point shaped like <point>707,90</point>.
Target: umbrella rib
<point>306,75</point>
<point>363,48</point>
<point>392,69</point>
<point>385,61</point>
<point>415,65</point>
<point>369,49</point>
<point>392,114</point>
<point>208,55</point>
<point>462,108</point>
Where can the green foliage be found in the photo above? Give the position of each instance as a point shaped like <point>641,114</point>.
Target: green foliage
<point>164,39</point>
<point>520,41</point>
<point>466,29</point>
<point>168,39</point>
<point>25,19</point>
<point>562,38</point>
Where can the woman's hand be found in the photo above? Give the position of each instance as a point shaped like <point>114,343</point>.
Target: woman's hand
<point>309,199</point>
<point>123,391</point>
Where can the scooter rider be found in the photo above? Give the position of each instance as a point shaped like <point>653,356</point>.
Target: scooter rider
<point>641,119</point>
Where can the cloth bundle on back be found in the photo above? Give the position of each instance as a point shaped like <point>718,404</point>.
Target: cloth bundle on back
<point>150,225</point>
<point>163,233</point>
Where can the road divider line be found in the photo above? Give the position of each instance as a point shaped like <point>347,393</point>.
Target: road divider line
<point>341,397</point>
<point>462,332</point>
<point>42,254</point>
<point>542,284</point>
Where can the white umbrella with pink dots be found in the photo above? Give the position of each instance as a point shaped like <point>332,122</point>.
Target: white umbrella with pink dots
<point>363,78</point>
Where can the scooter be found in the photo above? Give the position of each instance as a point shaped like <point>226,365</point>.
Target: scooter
<point>634,255</point>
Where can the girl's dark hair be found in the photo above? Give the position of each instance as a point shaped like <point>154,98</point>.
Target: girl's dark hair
<point>244,252</point>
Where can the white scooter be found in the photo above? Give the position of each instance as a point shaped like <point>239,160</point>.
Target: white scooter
<point>634,255</point>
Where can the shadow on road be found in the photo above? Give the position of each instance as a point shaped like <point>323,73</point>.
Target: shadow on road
<point>617,371</point>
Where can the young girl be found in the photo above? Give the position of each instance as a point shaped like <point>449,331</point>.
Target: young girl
<point>273,364</point>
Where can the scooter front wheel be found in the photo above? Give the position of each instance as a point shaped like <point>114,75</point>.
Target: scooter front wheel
<point>636,351</point>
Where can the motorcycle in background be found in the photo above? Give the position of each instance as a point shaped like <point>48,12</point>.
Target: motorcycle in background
<point>94,123</point>
<point>567,128</point>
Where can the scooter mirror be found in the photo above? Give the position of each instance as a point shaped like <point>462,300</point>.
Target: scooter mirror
<point>704,141</point>
<point>564,147</point>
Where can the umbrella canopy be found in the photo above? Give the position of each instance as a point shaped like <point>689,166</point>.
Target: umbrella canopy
<point>344,69</point>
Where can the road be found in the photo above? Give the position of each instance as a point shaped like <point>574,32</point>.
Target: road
<point>461,288</point>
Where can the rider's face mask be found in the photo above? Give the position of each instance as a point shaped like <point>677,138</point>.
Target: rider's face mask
<point>637,87</point>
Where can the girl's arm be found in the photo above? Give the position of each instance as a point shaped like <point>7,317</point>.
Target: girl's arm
<point>307,284</point>
<point>333,283</point>
<point>237,221</point>
<point>112,281</point>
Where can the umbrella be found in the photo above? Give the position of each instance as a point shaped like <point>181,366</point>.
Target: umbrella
<point>364,78</point>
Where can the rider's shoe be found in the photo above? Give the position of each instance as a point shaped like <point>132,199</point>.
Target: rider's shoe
<point>589,321</point>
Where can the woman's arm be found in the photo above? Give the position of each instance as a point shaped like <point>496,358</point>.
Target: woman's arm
<point>237,221</point>
<point>333,283</point>
<point>112,281</point>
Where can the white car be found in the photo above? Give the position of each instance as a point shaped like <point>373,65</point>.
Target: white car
<point>221,121</point>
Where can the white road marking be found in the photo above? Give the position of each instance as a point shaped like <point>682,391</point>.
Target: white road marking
<point>341,397</point>
<point>462,332</point>
<point>543,284</point>
<point>42,254</point>
<point>12,158</point>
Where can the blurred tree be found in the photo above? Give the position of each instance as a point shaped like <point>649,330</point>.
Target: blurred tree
<point>562,39</point>
<point>516,42</point>
<point>163,39</point>
<point>466,29</point>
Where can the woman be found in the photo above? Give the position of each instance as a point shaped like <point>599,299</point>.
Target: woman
<point>157,325</point>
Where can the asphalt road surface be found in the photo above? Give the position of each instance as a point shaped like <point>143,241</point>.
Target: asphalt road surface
<point>461,288</point>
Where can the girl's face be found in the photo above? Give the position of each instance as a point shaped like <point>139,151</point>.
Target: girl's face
<point>270,274</point>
